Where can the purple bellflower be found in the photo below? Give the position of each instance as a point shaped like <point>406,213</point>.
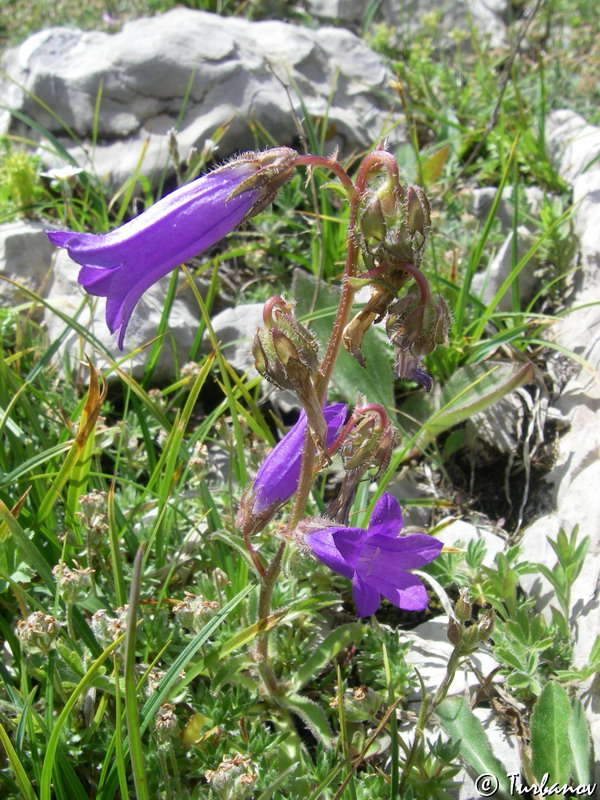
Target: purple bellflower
<point>278,476</point>
<point>123,264</point>
<point>377,560</point>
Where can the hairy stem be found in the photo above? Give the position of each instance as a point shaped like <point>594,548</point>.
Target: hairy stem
<point>264,609</point>
<point>426,712</point>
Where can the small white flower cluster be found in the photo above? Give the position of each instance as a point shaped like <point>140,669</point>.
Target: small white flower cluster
<point>193,611</point>
<point>38,633</point>
<point>232,780</point>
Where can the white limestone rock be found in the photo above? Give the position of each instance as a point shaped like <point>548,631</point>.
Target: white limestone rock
<point>25,257</point>
<point>430,652</point>
<point>405,16</point>
<point>67,296</point>
<point>487,283</point>
<point>460,533</point>
<point>483,197</point>
<point>233,68</point>
<point>235,329</point>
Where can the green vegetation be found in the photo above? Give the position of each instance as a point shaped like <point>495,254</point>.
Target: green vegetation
<point>128,604</point>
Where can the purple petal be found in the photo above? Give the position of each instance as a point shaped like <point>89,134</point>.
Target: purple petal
<point>367,598</point>
<point>60,238</point>
<point>324,547</point>
<point>173,230</point>
<point>383,555</point>
<point>349,542</point>
<point>406,592</point>
<point>278,476</point>
<point>387,517</point>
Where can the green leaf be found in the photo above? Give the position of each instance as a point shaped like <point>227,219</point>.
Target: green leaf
<point>319,302</point>
<point>550,749</point>
<point>311,714</point>
<point>459,722</point>
<point>23,781</point>
<point>281,781</point>
<point>330,646</point>
<point>33,556</point>
<point>472,388</point>
<point>579,739</point>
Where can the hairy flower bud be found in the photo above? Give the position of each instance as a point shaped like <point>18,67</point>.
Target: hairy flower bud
<point>107,628</point>
<point>367,440</point>
<point>370,441</point>
<point>462,607</point>
<point>409,367</point>
<point>285,352</point>
<point>166,725</point>
<point>480,630</point>
<point>38,633</point>
<point>454,632</point>
<point>393,223</point>
<point>193,612</point>
<point>417,326</point>
<point>72,582</point>
<point>232,779</point>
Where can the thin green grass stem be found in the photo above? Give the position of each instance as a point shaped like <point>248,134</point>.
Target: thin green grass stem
<point>132,711</point>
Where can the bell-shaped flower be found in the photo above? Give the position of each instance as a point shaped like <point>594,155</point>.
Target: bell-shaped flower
<point>377,560</point>
<point>278,476</point>
<point>123,264</point>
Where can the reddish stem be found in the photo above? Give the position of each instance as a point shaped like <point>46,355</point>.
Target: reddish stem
<point>270,306</point>
<point>373,162</point>
<point>332,164</point>
<point>405,266</point>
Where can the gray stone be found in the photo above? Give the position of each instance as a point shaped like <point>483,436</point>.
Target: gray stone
<point>460,533</point>
<point>234,69</point>
<point>572,143</point>
<point>574,480</point>
<point>487,283</point>
<point>235,329</point>
<point>483,198</point>
<point>67,296</point>
<point>406,16</point>
<point>25,257</point>
<point>500,426</point>
<point>430,652</point>
<point>412,484</point>
<point>574,148</point>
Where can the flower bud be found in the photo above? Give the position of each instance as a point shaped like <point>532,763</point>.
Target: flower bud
<point>485,625</point>
<point>416,326</point>
<point>454,632</point>
<point>393,223</point>
<point>38,633</point>
<point>480,630</point>
<point>285,352</point>
<point>232,780</point>
<point>193,612</point>
<point>93,509</point>
<point>371,441</point>
<point>108,628</point>
<point>72,582</point>
<point>166,725</point>
<point>409,368</point>
<point>463,607</point>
